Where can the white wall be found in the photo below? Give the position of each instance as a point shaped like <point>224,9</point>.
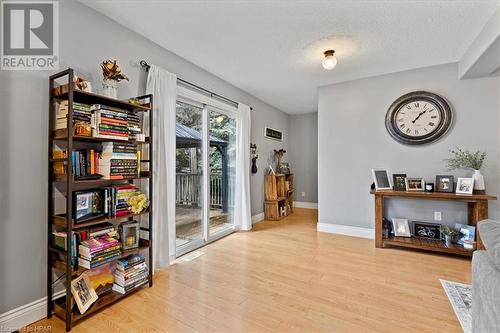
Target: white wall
<point>353,140</point>
<point>303,156</point>
<point>86,39</point>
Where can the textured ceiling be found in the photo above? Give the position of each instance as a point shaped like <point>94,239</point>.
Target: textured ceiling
<point>273,49</point>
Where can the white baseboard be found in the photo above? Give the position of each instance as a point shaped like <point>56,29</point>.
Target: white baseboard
<point>257,218</point>
<point>26,314</point>
<point>346,230</point>
<point>301,204</point>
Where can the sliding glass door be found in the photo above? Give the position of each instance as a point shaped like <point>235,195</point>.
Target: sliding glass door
<point>205,174</point>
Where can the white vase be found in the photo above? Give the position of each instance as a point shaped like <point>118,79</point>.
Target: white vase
<point>110,88</point>
<point>478,181</point>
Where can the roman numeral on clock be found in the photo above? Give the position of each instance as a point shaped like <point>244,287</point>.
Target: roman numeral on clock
<point>431,124</point>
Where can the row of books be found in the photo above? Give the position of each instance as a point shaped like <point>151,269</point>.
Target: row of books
<point>85,162</point>
<point>131,272</point>
<point>97,251</point>
<point>81,113</point>
<point>119,160</point>
<point>106,121</point>
<point>109,122</point>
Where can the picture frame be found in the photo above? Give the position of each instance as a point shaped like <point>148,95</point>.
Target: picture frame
<point>427,230</point>
<point>273,134</point>
<point>381,179</point>
<point>401,227</point>
<point>82,291</point>
<point>284,168</point>
<point>88,204</point>
<point>415,184</point>
<point>445,183</point>
<point>465,233</point>
<point>429,187</point>
<point>399,181</point>
<point>465,186</point>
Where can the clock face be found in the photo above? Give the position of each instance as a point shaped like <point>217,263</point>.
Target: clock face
<point>418,117</point>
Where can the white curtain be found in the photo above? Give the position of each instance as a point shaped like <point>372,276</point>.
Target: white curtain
<point>242,210</point>
<point>163,85</point>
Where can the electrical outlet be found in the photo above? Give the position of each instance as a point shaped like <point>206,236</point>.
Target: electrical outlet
<point>303,194</point>
<point>437,216</point>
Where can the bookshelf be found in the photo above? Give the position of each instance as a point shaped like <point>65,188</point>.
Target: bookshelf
<point>61,265</point>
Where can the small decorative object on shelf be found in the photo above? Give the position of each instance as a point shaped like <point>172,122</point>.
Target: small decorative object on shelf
<point>448,233</point>
<point>465,233</point>
<point>465,159</point>
<point>465,186</point>
<point>381,179</point>
<point>284,168</point>
<point>82,84</point>
<point>129,235</point>
<point>427,230</point>
<point>387,230</point>
<point>112,74</point>
<point>82,291</point>
<point>470,245</point>
<point>401,227</point>
<point>415,184</point>
<point>429,187</point>
<point>278,154</point>
<point>445,184</point>
<point>138,203</point>
<point>399,181</point>
<point>254,156</point>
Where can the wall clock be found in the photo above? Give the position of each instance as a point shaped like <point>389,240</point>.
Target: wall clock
<point>418,117</point>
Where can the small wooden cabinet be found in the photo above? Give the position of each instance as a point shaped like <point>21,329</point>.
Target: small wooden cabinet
<point>278,190</point>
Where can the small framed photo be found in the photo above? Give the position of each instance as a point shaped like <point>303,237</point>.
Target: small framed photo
<point>465,185</point>
<point>284,168</point>
<point>129,234</point>
<point>381,179</point>
<point>445,183</point>
<point>401,228</point>
<point>429,187</point>
<point>415,184</point>
<point>82,291</point>
<point>465,233</point>
<point>399,181</point>
<point>427,230</point>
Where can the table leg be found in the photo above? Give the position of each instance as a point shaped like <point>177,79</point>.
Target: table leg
<point>379,212</point>
<point>478,211</point>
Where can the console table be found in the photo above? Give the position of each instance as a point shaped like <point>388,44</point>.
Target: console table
<point>477,208</point>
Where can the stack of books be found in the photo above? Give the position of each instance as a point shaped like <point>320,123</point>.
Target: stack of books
<point>81,113</point>
<point>98,251</point>
<point>118,160</point>
<point>123,193</point>
<point>85,162</point>
<point>131,272</point>
<point>60,168</point>
<point>134,125</point>
<point>109,122</point>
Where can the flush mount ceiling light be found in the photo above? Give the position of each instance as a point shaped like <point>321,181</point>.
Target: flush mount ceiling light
<point>330,61</point>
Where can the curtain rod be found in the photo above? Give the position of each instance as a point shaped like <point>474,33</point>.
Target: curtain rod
<point>146,66</point>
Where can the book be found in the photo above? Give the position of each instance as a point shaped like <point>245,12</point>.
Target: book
<point>135,285</point>
<point>93,263</point>
<point>92,245</point>
<point>130,261</point>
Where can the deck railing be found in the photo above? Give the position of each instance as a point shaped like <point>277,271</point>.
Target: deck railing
<point>189,187</point>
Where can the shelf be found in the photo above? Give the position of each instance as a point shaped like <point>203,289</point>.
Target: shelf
<point>434,195</point>
<point>64,137</point>
<point>426,244</point>
<point>98,182</point>
<point>61,92</point>
<point>103,301</point>
<point>277,200</point>
<point>60,220</point>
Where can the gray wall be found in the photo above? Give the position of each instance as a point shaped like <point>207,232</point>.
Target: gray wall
<point>353,140</point>
<point>304,156</point>
<point>23,136</point>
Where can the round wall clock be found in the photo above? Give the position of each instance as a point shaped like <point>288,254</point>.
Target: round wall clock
<point>418,117</point>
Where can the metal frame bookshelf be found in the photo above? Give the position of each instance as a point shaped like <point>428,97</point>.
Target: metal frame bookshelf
<point>64,307</point>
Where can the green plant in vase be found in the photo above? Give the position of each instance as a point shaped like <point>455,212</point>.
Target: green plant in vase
<point>448,233</point>
<point>465,159</point>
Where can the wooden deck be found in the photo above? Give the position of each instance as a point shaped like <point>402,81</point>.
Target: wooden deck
<point>188,223</point>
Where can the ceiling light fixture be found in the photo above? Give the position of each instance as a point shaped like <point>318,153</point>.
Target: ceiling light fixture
<point>330,61</point>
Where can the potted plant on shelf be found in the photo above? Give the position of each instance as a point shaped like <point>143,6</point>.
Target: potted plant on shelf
<point>112,74</point>
<point>448,233</point>
<point>465,159</point>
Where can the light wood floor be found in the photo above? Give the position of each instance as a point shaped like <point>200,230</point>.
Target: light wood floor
<point>285,277</point>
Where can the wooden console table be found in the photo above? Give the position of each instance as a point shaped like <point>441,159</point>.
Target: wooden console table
<point>477,207</point>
